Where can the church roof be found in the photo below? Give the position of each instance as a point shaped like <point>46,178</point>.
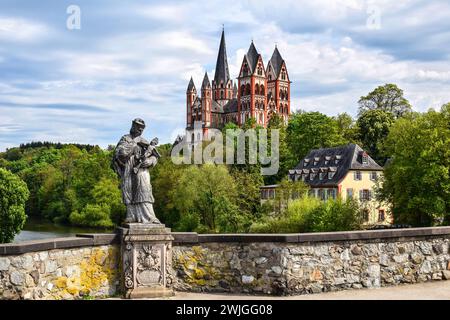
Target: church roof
<point>191,85</point>
<point>338,160</point>
<point>206,83</point>
<point>222,73</point>
<point>231,106</point>
<point>276,61</point>
<point>252,57</point>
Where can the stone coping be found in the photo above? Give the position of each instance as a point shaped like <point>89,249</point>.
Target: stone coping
<point>80,240</point>
<point>181,238</point>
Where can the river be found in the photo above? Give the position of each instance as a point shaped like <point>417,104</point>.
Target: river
<point>35,229</point>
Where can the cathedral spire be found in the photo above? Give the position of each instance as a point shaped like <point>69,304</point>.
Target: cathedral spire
<point>191,86</point>
<point>206,83</point>
<point>222,72</point>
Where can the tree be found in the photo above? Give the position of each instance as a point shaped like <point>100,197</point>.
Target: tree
<point>347,127</point>
<point>311,130</point>
<point>387,98</point>
<point>416,179</point>
<point>207,194</point>
<point>13,195</point>
<point>373,128</point>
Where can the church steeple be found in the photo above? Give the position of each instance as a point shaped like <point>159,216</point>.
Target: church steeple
<point>222,72</point>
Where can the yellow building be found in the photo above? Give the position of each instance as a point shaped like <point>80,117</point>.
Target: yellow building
<point>346,171</point>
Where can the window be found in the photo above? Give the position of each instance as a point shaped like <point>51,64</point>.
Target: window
<point>312,176</point>
<point>357,175</point>
<point>221,94</point>
<point>322,195</point>
<point>272,194</point>
<point>321,175</point>
<point>381,215</point>
<point>303,177</point>
<point>331,175</point>
<point>312,192</point>
<point>373,176</point>
<point>364,158</point>
<point>365,195</point>
<point>349,193</point>
<point>365,215</point>
<point>331,193</point>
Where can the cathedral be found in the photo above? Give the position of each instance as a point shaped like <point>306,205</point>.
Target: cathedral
<point>260,92</point>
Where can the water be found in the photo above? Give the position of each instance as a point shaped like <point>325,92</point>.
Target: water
<point>36,229</point>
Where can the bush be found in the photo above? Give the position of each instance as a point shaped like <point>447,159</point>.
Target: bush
<point>13,195</point>
<point>309,214</point>
<point>93,215</point>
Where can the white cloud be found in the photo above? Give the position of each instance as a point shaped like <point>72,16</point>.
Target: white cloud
<point>21,30</point>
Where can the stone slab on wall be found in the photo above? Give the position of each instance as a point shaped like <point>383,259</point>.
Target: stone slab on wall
<point>309,267</point>
<point>60,273</point>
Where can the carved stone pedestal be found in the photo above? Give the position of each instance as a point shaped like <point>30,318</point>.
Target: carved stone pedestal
<point>146,260</point>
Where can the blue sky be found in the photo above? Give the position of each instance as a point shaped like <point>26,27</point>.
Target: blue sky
<point>134,59</point>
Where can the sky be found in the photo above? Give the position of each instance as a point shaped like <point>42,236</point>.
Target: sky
<point>134,58</point>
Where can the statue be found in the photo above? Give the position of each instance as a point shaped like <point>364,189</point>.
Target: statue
<point>132,159</point>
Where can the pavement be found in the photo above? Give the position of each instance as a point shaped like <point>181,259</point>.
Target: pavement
<point>439,290</point>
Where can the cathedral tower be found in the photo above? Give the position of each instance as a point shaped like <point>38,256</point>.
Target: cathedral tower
<point>206,103</point>
<point>278,87</point>
<point>252,88</point>
<point>222,85</point>
<point>191,95</point>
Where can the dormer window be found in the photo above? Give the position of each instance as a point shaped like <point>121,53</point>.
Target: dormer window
<point>316,160</point>
<point>331,175</point>
<point>364,158</point>
<point>337,159</point>
<point>327,159</point>
<point>321,175</point>
<point>312,176</point>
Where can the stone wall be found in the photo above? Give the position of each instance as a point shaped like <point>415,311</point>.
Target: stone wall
<point>88,265</point>
<point>312,263</point>
<point>80,271</point>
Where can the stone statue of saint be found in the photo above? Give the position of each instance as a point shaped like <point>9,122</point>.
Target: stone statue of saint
<point>132,159</point>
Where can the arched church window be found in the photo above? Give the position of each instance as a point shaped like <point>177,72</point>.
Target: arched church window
<point>192,138</point>
<point>242,90</point>
<point>247,89</point>
<point>256,89</point>
<point>221,94</point>
<point>261,90</point>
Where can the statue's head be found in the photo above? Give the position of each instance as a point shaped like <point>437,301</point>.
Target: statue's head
<point>137,127</point>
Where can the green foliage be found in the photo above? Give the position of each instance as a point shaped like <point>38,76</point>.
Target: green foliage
<point>347,127</point>
<point>373,128</point>
<point>388,98</point>
<point>309,214</point>
<point>92,215</point>
<point>13,194</point>
<point>64,179</point>
<point>416,180</point>
<point>209,192</point>
<point>311,130</point>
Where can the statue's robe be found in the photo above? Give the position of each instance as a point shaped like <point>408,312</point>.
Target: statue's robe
<point>136,187</point>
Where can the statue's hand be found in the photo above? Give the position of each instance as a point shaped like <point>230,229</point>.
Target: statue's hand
<point>154,142</point>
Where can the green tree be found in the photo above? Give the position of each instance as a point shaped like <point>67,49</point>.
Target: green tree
<point>208,192</point>
<point>311,130</point>
<point>416,179</point>
<point>347,127</point>
<point>373,128</point>
<point>388,98</point>
<point>13,194</point>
